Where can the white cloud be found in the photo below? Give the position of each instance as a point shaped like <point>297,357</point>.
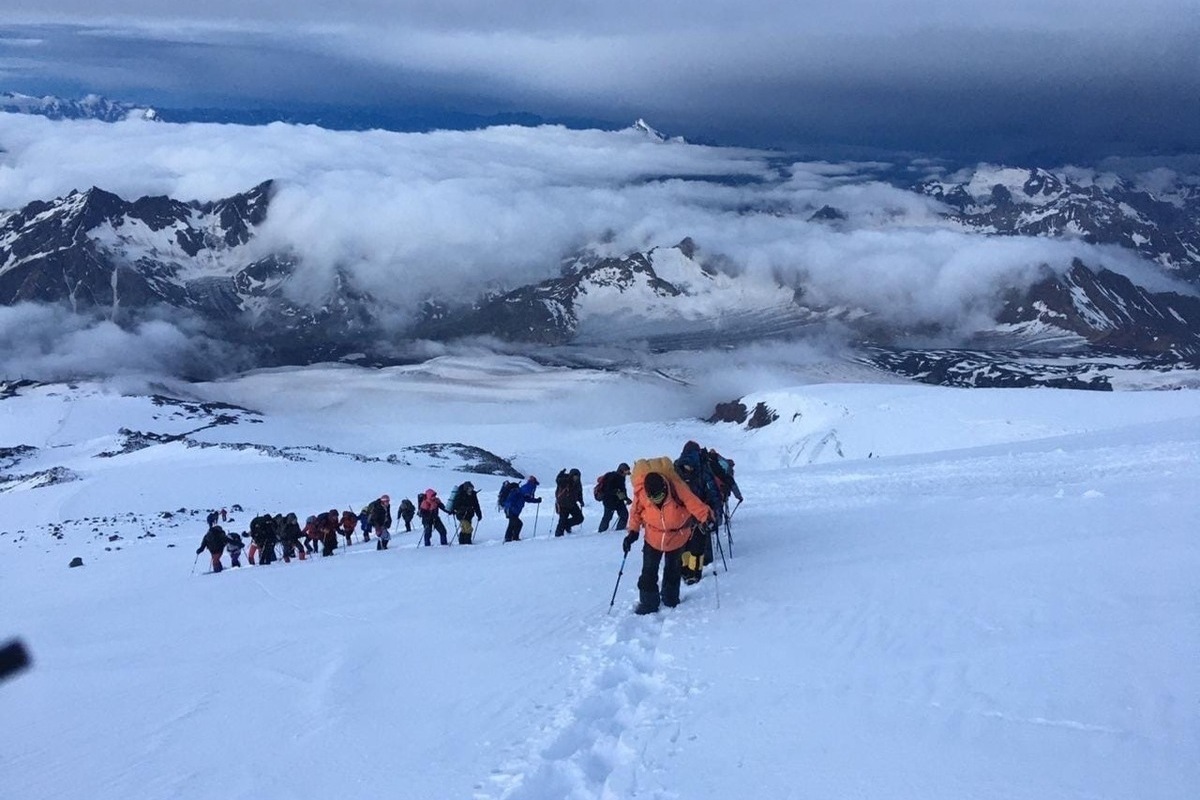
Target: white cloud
<point>49,343</point>
<point>457,213</point>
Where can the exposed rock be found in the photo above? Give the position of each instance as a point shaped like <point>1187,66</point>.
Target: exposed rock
<point>762,416</point>
<point>734,411</point>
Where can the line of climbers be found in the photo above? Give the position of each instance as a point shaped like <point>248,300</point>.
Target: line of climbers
<point>709,474</point>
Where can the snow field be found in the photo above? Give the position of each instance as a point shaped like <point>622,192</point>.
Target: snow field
<point>979,616</point>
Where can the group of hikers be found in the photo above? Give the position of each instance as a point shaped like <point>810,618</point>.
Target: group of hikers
<point>679,504</point>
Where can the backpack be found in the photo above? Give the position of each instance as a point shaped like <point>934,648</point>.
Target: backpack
<point>694,467</point>
<point>450,506</point>
<point>258,525</point>
<point>598,489</point>
<point>721,472</point>
<point>506,490</point>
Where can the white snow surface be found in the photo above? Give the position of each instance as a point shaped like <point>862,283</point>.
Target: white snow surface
<point>931,594</point>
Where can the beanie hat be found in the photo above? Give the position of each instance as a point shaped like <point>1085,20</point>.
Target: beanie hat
<point>656,487</point>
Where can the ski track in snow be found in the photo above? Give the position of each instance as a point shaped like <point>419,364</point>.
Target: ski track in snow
<point>597,744</point>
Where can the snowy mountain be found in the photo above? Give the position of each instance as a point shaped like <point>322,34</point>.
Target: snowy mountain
<point>96,250</point>
<point>99,253</point>
<point>90,106</point>
<point>926,592</point>
<point>663,296</point>
<point>1106,309</point>
<point>642,128</point>
<point>1164,227</point>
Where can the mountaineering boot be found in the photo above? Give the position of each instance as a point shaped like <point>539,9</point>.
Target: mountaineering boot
<point>642,609</point>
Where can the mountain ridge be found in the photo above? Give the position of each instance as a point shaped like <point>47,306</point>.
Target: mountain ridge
<point>97,252</point>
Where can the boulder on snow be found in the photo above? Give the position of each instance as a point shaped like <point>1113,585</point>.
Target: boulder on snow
<point>762,416</point>
<point>76,562</point>
<point>733,411</point>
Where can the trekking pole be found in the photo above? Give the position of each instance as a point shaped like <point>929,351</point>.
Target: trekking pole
<point>720,550</point>
<point>620,572</point>
<point>194,563</point>
<point>729,525</point>
<point>536,513</point>
<point>717,584</point>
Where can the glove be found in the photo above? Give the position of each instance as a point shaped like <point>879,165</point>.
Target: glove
<point>628,541</point>
<point>199,549</point>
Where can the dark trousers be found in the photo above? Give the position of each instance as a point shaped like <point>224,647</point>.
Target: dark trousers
<point>648,593</point>
<point>569,518</point>
<point>611,507</point>
<point>513,532</point>
<point>407,522</point>
<point>430,526</point>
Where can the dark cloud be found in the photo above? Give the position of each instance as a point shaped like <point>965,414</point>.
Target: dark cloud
<point>53,343</point>
<point>1076,81</point>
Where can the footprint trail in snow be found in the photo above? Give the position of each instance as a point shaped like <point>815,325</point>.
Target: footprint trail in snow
<point>599,743</point>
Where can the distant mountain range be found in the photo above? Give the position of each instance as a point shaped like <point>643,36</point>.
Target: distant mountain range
<point>1162,228</point>
<point>332,117</point>
<point>99,253</point>
<point>91,106</point>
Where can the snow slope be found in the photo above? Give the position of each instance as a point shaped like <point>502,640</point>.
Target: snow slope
<point>1000,602</point>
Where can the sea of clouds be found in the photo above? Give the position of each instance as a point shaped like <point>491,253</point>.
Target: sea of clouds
<point>457,213</point>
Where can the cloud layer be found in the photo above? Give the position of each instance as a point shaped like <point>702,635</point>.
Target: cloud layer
<point>49,343</point>
<point>459,213</point>
<point>1065,80</point>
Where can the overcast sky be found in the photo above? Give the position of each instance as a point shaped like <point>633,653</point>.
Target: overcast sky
<point>1071,80</point>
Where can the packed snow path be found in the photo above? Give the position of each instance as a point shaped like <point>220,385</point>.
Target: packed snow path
<point>605,741</point>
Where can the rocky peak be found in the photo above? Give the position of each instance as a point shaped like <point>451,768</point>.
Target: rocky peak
<point>1038,202</point>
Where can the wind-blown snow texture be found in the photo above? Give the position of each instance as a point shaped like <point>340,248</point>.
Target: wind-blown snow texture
<point>933,593</point>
